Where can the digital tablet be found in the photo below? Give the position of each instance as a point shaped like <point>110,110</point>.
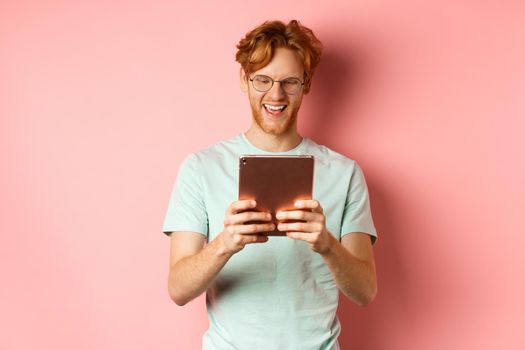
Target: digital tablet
<point>275,182</point>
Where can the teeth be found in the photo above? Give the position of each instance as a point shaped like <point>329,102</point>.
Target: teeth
<point>274,108</point>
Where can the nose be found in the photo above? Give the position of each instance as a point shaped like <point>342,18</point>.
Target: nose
<point>277,92</point>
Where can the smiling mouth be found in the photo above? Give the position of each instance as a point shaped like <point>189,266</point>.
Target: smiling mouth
<point>274,109</point>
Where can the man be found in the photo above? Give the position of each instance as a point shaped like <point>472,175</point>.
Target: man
<point>279,292</point>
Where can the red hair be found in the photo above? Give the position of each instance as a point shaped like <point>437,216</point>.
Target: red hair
<point>257,48</point>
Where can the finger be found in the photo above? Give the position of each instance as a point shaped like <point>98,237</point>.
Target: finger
<point>241,240</point>
<point>302,236</point>
<point>309,204</point>
<point>253,229</point>
<point>241,218</point>
<point>250,239</point>
<point>240,205</point>
<point>299,215</point>
<point>299,226</point>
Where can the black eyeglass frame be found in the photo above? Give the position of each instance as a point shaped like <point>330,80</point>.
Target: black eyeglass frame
<point>275,81</point>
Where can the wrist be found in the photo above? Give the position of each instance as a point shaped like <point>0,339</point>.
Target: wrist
<point>220,249</point>
<point>330,245</point>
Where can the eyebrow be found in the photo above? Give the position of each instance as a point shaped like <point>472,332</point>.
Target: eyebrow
<point>288,77</point>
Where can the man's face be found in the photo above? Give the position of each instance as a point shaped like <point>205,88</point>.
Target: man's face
<point>265,105</point>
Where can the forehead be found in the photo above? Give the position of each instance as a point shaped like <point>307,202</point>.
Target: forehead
<point>285,63</point>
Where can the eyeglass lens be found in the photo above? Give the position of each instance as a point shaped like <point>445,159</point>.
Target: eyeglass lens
<point>264,83</point>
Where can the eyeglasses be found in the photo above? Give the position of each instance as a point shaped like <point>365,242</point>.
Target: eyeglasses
<point>263,83</point>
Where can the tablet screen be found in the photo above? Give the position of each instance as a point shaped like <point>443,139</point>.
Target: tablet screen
<point>276,182</point>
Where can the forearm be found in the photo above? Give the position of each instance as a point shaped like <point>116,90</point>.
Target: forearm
<point>192,275</point>
<point>355,278</point>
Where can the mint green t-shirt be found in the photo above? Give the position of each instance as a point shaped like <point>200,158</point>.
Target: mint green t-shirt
<point>279,294</point>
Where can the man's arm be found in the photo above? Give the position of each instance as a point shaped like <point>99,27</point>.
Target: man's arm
<point>351,261</point>
<point>193,266</point>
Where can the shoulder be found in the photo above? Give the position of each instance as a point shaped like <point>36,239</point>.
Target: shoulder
<point>217,152</point>
<point>325,156</point>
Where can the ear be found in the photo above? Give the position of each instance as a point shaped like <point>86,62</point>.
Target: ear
<point>307,83</point>
<point>244,80</point>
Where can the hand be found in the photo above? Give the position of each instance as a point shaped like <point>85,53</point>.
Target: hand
<point>237,233</point>
<point>313,230</point>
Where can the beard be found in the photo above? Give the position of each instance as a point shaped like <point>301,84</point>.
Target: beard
<point>274,128</point>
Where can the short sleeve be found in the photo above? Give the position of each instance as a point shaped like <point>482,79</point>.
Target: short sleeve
<point>357,216</point>
<point>186,208</point>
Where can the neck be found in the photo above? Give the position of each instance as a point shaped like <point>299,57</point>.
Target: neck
<point>271,142</point>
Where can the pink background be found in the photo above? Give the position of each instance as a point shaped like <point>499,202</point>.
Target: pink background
<point>100,101</point>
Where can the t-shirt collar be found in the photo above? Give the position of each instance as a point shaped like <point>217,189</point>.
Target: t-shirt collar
<point>296,150</point>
